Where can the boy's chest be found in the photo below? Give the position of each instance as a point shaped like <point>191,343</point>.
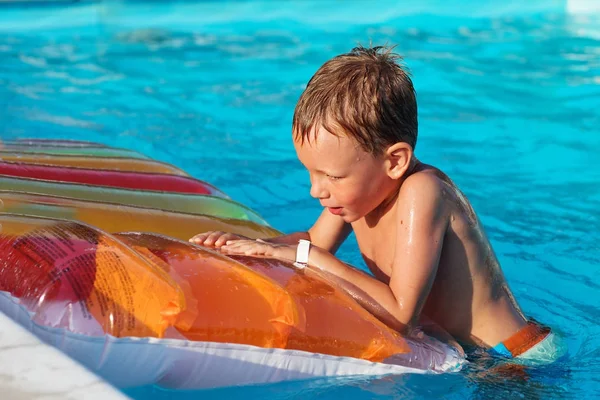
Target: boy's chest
<point>377,247</point>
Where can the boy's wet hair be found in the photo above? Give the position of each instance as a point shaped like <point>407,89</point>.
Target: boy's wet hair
<point>364,94</point>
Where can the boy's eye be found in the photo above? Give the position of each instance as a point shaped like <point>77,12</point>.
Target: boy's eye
<point>335,178</point>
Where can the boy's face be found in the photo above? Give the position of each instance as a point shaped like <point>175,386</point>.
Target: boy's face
<point>347,180</point>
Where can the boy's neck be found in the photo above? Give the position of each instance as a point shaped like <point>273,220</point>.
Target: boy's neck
<point>387,204</point>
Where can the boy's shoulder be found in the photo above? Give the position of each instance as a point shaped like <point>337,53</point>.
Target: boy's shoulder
<point>426,183</point>
<point>426,195</point>
<point>430,194</point>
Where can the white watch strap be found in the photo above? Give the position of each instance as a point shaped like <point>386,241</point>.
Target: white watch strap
<point>302,253</point>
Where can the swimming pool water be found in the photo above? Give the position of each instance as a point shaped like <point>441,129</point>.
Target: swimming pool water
<point>508,103</point>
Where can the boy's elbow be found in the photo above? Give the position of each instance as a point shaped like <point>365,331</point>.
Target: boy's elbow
<point>405,320</point>
<point>402,327</point>
<point>397,320</point>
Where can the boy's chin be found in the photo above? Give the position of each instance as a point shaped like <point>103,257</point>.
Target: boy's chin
<point>349,217</point>
<point>346,215</point>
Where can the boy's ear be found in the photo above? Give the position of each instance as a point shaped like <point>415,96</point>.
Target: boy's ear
<point>398,158</point>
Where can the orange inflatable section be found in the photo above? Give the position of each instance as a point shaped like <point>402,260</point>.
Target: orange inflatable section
<point>78,161</point>
<point>76,277</point>
<point>234,304</point>
<point>114,218</point>
<point>71,275</point>
<point>328,321</point>
<point>334,322</point>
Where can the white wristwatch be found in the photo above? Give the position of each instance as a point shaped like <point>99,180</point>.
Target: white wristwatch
<point>302,253</point>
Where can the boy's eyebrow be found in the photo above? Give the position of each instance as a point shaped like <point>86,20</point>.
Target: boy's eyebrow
<point>306,168</point>
<point>325,172</point>
<point>319,170</point>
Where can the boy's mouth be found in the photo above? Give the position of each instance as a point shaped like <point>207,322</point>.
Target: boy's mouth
<point>335,210</point>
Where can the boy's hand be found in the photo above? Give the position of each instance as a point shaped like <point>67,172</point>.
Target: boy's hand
<point>215,238</point>
<point>259,247</point>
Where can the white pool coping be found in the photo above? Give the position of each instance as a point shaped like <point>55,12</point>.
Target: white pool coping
<point>30,369</point>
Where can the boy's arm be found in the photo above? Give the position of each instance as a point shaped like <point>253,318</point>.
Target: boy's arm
<point>422,221</point>
<point>328,233</point>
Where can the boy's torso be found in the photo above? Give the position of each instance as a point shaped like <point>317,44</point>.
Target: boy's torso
<point>469,296</point>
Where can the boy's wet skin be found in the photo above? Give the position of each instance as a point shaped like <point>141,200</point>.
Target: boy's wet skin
<point>468,284</point>
<point>469,295</point>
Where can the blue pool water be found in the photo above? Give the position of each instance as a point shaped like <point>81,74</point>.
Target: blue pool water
<point>508,99</point>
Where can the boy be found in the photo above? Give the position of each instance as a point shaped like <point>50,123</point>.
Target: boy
<point>355,130</point>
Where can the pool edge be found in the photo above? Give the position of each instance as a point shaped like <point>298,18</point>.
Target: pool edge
<point>31,369</point>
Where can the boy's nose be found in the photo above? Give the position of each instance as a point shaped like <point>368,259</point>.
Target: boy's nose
<point>318,192</point>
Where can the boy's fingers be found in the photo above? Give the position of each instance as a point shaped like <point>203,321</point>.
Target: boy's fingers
<point>212,238</point>
<point>198,238</point>
<point>246,247</point>
<point>235,241</point>
<point>223,239</point>
<point>232,245</point>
